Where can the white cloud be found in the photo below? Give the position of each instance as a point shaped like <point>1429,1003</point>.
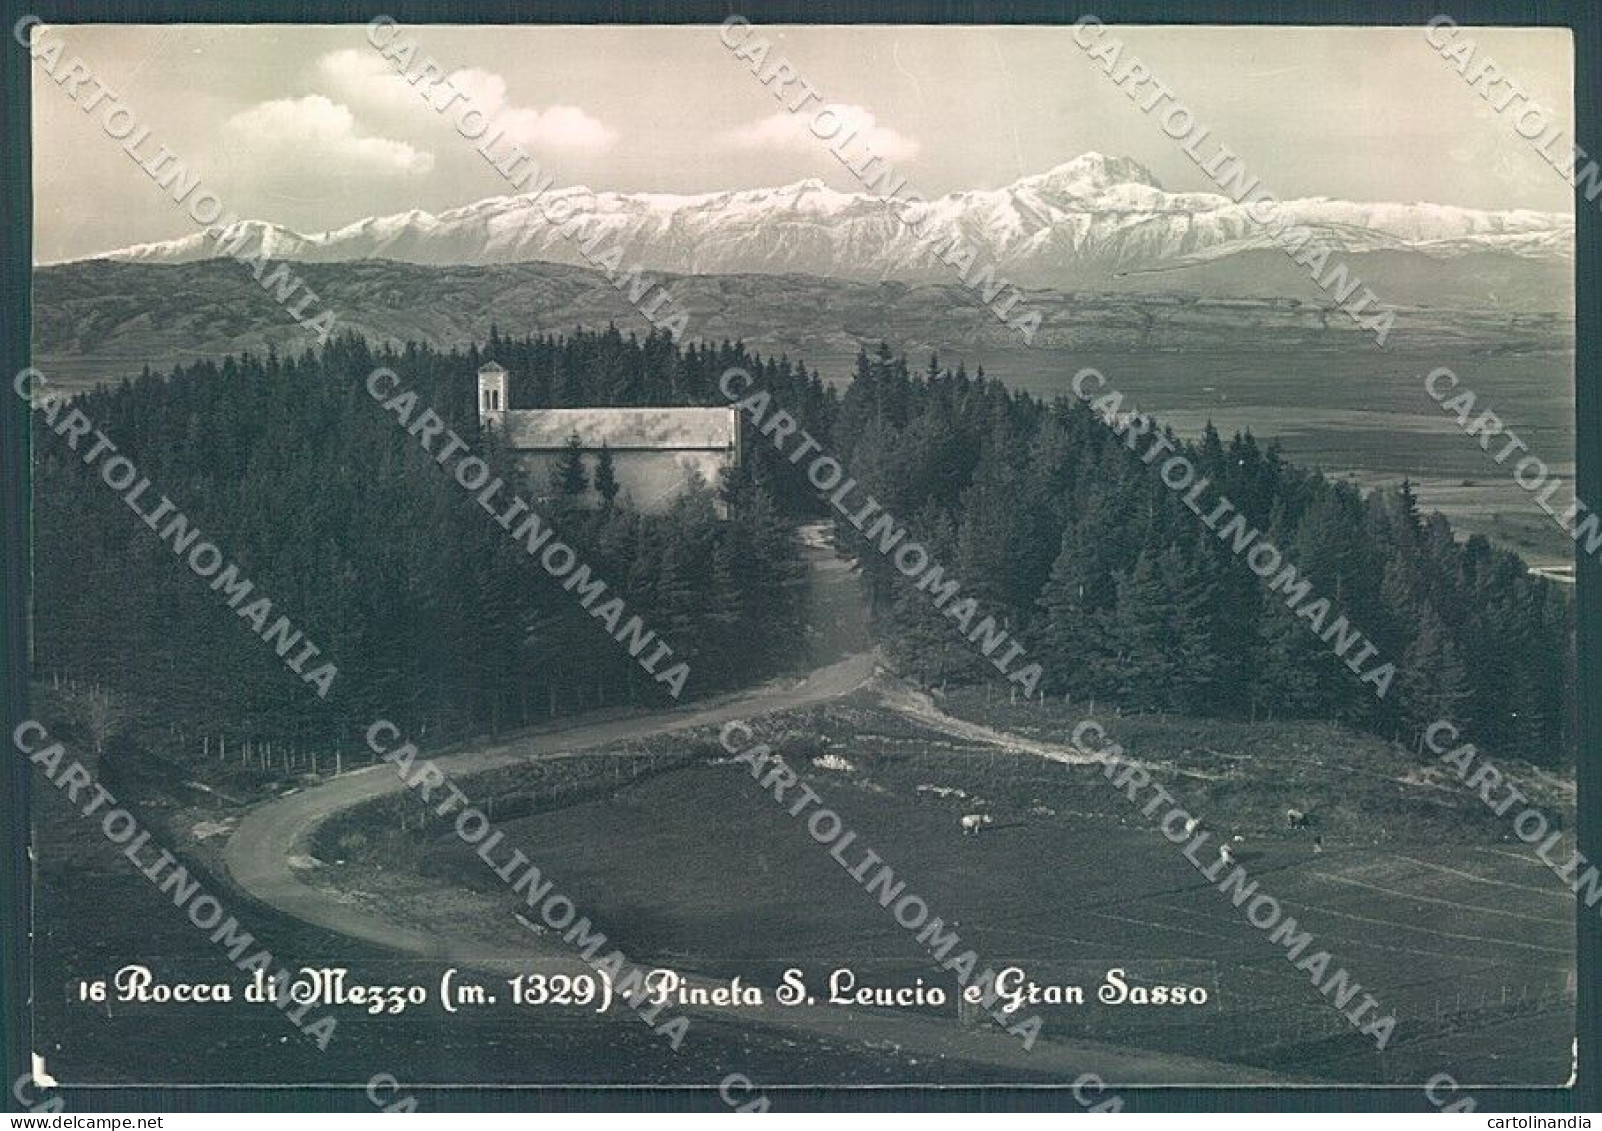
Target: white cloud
<point>562,127</point>
<point>565,127</point>
<point>796,132</point>
<point>364,75</point>
<point>314,131</point>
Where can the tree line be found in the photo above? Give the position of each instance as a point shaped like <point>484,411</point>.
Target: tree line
<point>434,615</point>
<point>1057,528</point>
<point>1069,539</point>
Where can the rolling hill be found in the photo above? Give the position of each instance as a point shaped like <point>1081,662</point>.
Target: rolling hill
<point>97,320</point>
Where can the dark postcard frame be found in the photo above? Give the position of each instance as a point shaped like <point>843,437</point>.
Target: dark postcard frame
<point>16,207</point>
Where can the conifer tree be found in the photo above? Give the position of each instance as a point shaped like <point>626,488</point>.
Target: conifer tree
<point>924,641</point>
<point>1138,665</point>
<point>1080,592</point>
<point>569,477</point>
<point>1432,677</point>
<point>1193,647</point>
<point>606,485</point>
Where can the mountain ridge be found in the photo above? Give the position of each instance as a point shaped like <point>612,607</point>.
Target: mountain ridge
<point>1082,223</point>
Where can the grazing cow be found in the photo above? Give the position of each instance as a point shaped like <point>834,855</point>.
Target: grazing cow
<point>1191,825</point>
<point>1226,854</point>
<point>1297,819</point>
<point>973,822</point>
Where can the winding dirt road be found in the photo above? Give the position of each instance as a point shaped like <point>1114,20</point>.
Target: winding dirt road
<point>259,852</point>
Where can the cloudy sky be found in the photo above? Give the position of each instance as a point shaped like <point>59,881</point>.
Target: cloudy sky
<point>307,126</point>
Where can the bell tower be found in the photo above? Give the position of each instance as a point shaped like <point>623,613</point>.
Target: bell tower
<point>492,390</point>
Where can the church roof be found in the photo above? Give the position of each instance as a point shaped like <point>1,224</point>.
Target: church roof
<point>673,429</point>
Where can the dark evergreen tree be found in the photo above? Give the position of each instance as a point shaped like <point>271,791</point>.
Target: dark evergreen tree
<point>1136,663</point>
<point>1432,677</point>
<point>606,485</point>
<point>1193,643</point>
<point>569,478</point>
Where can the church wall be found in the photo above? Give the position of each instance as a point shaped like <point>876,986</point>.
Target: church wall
<point>649,481</point>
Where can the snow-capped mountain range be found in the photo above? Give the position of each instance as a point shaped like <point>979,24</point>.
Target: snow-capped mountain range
<point>1092,219</point>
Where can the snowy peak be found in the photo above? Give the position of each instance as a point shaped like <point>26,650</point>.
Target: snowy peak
<point>1092,174</point>
<point>1080,224</point>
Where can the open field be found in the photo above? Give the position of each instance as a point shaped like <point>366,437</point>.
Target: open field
<point>94,913</point>
<point>1466,940</point>
<point>690,864</point>
<point>1360,788</point>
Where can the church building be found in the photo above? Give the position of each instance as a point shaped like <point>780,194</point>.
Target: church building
<point>658,454</point>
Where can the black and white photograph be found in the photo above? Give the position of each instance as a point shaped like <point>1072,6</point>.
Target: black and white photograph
<point>788,561</point>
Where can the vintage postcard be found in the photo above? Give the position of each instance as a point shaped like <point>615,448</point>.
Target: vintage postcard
<point>749,555</point>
